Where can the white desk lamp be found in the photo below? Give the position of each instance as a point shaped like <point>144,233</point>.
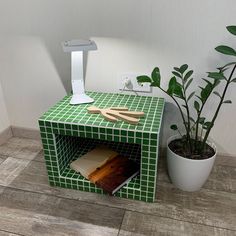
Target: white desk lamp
<point>77,48</point>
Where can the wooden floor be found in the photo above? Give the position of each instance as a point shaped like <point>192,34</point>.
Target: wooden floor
<point>29,206</point>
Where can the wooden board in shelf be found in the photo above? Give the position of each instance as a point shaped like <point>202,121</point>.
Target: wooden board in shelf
<point>114,174</point>
<point>92,160</point>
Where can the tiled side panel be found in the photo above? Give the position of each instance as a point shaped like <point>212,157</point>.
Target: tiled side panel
<point>50,151</point>
<point>149,159</point>
<point>66,148</point>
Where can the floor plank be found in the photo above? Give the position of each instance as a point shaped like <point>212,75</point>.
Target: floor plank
<point>226,161</point>
<point>2,158</point>
<point>222,177</point>
<point>38,214</point>
<point>33,224</point>
<point>29,201</point>
<point>10,169</point>
<point>39,157</point>
<point>204,207</point>
<point>137,224</point>
<point>21,148</point>
<point>4,233</point>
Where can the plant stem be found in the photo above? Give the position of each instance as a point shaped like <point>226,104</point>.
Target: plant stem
<point>199,115</point>
<point>181,112</point>
<point>201,134</point>
<point>196,134</point>
<point>188,117</point>
<point>218,108</point>
<point>197,123</point>
<point>180,133</point>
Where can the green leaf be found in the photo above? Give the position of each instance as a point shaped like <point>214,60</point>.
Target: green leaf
<point>216,75</point>
<point>202,120</point>
<point>188,83</point>
<point>154,84</point>
<point>216,83</point>
<point>231,29</point>
<point>207,125</point>
<point>207,81</point>
<point>183,68</point>
<point>174,127</point>
<point>226,50</point>
<point>217,94</point>
<point>177,69</point>
<point>177,74</point>
<point>171,86</point>
<point>156,77</point>
<point>178,91</point>
<point>223,70</point>
<point>197,106</point>
<point>199,97</point>
<point>175,88</point>
<point>227,101</point>
<point>206,92</point>
<point>190,96</point>
<point>201,87</point>
<point>188,75</point>
<point>144,79</point>
<point>227,65</point>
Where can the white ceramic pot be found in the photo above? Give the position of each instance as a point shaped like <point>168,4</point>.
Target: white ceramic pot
<point>187,174</point>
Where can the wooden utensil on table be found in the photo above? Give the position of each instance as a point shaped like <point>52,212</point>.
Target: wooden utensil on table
<point>115,113</point>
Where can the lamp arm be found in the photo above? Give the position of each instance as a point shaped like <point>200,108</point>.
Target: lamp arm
<point>77,73</point>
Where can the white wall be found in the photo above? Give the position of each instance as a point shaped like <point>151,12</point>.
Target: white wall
<point>132,36</point>
<point>4,120</point>
<point>30,80</point>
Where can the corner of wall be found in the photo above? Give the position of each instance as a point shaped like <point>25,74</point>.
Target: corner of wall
<point>4,118</point>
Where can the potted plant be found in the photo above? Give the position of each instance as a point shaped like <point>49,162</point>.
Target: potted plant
<point>190,154</point>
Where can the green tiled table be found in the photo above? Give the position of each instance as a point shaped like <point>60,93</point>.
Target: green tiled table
<point>68,132</point>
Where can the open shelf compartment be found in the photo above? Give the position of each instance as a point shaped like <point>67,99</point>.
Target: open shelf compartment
<point>71,148</point>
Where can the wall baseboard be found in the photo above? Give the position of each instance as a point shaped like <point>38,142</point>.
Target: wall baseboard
<point>5,135</point>
<point>23,132</point>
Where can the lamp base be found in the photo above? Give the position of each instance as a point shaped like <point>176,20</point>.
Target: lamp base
<point>80,99</point>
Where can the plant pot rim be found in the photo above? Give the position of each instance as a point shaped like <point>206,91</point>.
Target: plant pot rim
<point>209,142</point>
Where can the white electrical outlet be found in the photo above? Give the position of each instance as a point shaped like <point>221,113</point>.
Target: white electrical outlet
<point>128,82</point>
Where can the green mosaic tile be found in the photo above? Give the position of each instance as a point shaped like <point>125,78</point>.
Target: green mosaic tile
<point>79,115</point>
<point>68,132</point>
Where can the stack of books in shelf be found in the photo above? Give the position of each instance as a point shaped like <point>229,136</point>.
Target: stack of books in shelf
<point>106,168</point>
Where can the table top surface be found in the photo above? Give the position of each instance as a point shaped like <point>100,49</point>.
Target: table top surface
<point>65,113</point>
